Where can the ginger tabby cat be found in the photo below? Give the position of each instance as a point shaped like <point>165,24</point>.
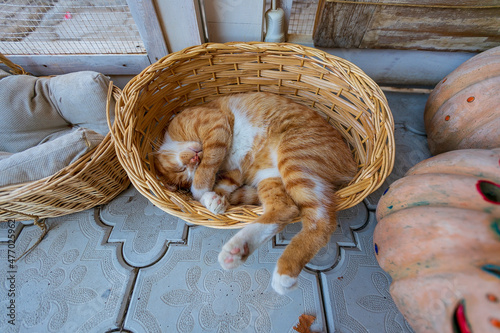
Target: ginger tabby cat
<point>260,148</point>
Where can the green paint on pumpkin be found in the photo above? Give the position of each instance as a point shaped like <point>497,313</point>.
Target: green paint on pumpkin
<point>496,227</point>
<point>492,269</point>
<point>419,203</point>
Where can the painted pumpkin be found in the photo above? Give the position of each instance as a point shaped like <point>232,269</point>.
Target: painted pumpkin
<point>463,109</point>
<point>438,236</point>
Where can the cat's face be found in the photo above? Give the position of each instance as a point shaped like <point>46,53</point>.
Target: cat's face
<point>176,162</point>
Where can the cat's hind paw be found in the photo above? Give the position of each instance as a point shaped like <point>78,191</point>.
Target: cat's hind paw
<point>214,202</point>
<point>283,283</point>
<point>233,254</point>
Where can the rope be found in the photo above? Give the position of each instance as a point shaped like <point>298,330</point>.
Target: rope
<point>38,222</point>
<point>15,69</point>
<point>412,5</point>
<point>41,224</point>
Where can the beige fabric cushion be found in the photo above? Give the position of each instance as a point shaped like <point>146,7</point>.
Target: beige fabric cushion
<point>48,158</point>
<point>3,74</point>
<point>34,110</point>
<point>81,99</point>
<point>27,115</point>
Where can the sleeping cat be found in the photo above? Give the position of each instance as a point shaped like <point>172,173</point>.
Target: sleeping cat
<point>260,147</point>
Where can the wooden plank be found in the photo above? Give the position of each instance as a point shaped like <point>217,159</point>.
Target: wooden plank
<point>181,23</point>
<point>427,3</point>
<point>341,25</point>
<point>408,24</point>
<point>437,29</point>
<point>144,14</point>
<point>61,64</point>
<point>71,47</point>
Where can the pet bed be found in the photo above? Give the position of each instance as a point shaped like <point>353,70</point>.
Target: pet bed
<point>335,88</point>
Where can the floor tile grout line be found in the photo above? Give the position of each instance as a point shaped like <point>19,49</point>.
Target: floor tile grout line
<point>322,301</point>
<point>123,313</point>
<point>129,290</point>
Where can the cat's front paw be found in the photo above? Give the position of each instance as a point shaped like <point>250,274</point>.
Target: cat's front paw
<point>214,202</point>
<point>283,283</point>
<point>233,254</point>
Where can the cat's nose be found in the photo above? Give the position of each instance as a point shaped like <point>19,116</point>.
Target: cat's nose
<point>195,159</point>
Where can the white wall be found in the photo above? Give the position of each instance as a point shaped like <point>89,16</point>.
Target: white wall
<point>234,20</point>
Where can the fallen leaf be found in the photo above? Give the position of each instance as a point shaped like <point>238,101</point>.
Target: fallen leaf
<point>305,322</point>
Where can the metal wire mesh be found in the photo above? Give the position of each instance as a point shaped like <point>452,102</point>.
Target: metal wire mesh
<point>52,27</point>
<point>302,17</point>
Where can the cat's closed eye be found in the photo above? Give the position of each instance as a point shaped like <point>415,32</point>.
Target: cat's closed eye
<point>180,170</point>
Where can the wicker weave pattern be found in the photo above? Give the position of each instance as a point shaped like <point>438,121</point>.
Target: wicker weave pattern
<point>337,89</point>
<point>93,179</point>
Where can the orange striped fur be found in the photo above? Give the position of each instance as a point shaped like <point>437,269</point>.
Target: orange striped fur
<point>260,147</point>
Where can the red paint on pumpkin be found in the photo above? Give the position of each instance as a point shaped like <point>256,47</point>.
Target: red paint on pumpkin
<point>492,298</point>
<point>495,322</point>
<point>463,326</point>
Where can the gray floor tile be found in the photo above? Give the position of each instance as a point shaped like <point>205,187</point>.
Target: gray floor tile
<point>70,282</point>
<point>408,110</point>
<point>356,291</point>
<point>144,229</point>
<point>187,291</point>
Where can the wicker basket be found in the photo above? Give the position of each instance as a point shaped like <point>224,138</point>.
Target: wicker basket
<point>340,91</point>
<point>93,179</point>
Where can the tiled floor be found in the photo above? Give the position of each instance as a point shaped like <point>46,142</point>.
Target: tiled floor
<point>129,267</point>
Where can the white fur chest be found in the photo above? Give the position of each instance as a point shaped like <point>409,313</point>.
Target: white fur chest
<point>244,135</point>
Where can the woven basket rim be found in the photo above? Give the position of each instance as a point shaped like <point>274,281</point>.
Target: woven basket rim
<point>123,131</point>
<point>10,194</point>
<point>15,191</point>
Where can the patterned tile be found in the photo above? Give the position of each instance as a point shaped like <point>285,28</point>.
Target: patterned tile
<point>356,291</point>
<point>69,283</point>
<point>199,296</point>
<point>144,229</point>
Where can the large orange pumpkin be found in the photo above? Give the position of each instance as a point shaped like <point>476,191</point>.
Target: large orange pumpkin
<point>463,109</point>
<point>438,236</point>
